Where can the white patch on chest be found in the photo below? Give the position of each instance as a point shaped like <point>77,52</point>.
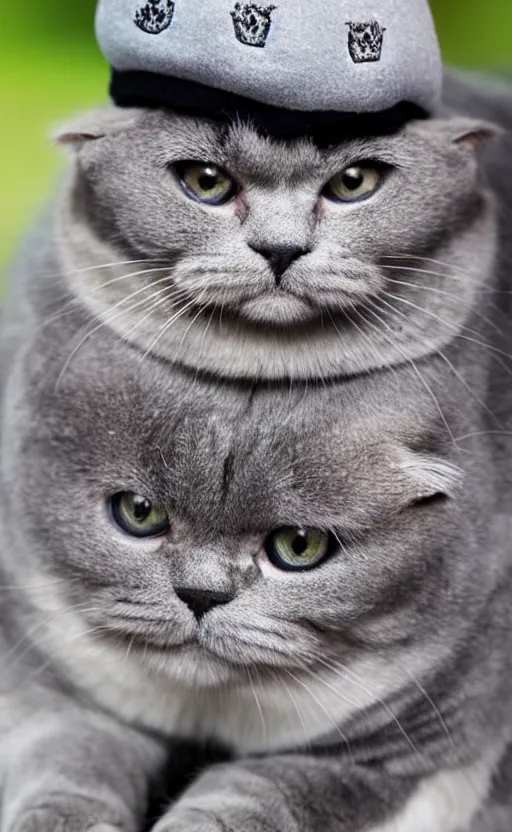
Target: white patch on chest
<point>448,801</point>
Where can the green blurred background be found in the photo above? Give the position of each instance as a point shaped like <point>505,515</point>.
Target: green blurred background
<point>51,67</point>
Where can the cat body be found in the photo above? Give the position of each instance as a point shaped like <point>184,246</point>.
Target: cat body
<point>371,692</point>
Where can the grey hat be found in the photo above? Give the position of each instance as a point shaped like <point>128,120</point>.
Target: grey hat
<point>308,56</point>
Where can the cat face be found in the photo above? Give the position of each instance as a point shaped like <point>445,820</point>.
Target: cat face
<point>244,256</point>
<point>195,536</point>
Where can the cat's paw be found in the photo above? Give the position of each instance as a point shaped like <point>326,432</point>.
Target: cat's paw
<point>231,798</point>
<point>227,819</point>
<point>46,820</point>
<point>64,813</point>
<point>190,821</point>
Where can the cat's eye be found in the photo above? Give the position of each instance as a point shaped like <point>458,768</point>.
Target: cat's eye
<point>206,183</point>
<point>295,549</point>
<point>136,515</point>
<point>354,183</point>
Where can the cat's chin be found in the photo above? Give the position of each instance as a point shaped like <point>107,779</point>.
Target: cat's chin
<point>277,308</point>
<point>191,666</point>
<point>202,664</point>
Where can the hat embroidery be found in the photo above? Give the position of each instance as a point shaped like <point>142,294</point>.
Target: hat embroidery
<point>252,23</point>
<point>155,16</point>
<point>365,41</point>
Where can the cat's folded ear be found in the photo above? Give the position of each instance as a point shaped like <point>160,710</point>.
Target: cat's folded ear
<point>430,476</point>
<point>463,132</point>
<point>95,124</point>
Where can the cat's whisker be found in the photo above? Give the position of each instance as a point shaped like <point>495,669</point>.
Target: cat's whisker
<point>129,649</point>
<point>128,275</point>
<point>25,587</point>
<point>320,704</point>
<point>207,327</point>
<point>455,329</point>
<point>58,276</point>
<point>340,542</point>
<point>347,700</point>
<point>168,324</point>
<point>199,312</point>
<point>434,290</point>
<point>90,331</point>
<point>38,671</point>
<point>298,710</point>
<point>69,306</point>
<point>411,363</point>
<point>449,267</point>
<point>438,715</point>
<point>107,320</point>
<point>463,277</point>
<point>463,273</point>
<point>477,399</point>
<point>452,327</point>
<point>372,347</point>
<point>149,312</point>
<point>123,300</point>
<point>490,300</point>
<point>110,265</point>
<point>429,700</point>
<point>258,705</point>
<point>452,367</point>
<point>220,315</point>
<point>29,635</point>
<point>349,675</point>
<point>478,433</point>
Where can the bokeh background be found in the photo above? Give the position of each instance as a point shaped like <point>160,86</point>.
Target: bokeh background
<point>50,67</point>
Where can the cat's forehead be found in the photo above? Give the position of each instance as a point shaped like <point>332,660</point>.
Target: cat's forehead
<point>236,144</point>
<point>242,460</point>
<point>242,148</point>
<point>256,469</point>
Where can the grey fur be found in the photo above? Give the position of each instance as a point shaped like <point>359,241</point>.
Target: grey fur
<point>200,293</point>
<point>373,693</point>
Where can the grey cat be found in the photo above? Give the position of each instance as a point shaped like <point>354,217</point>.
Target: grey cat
<point>314,577</point>
<point>230,253</point>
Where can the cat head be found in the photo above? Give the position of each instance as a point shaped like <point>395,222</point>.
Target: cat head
<point>195,537</point>
<point>245,256</point>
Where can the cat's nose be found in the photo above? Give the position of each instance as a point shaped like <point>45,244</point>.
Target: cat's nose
<point>200,601</point>
<point>280,258</point>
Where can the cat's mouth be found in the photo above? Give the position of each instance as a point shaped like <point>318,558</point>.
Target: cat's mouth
<point>301,295</point>
<point>267,304</point>
<point>199,659</point>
